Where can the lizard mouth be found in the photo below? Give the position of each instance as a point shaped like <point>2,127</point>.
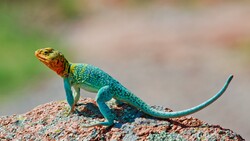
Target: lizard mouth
<point>42,59</point>
<point>39,56</point>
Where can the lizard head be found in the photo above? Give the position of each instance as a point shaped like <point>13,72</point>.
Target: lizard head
<point>54,60</point>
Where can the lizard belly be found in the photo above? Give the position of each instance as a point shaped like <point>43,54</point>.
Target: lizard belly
<point>88,87</point>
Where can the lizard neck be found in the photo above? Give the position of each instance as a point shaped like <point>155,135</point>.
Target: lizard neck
<point>62,67</point>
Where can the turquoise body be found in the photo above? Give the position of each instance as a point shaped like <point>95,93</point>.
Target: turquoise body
<point>93,79</point>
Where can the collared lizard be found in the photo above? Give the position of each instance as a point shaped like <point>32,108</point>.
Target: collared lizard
<point>93,79</point>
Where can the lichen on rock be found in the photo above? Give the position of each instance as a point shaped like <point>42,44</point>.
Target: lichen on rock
<point>50,122</point>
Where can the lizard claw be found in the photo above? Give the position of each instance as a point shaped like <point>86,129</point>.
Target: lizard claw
<point>69,113</point>
<point>73,111</point>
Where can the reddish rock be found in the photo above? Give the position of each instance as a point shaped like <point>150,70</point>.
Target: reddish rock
<point>50,122</point>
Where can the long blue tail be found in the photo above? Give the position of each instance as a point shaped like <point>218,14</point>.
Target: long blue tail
<point>164,115</point>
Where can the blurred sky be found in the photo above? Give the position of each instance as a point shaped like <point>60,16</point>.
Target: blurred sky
<point>174,54</point>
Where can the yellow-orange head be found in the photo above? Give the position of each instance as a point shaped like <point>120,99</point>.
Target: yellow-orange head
<point>54,60</point>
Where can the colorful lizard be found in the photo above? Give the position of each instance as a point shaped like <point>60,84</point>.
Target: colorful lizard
<point>93,79</point>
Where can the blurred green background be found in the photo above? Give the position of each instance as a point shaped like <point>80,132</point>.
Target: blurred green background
<point>171,53</point>
<point>20,35</point>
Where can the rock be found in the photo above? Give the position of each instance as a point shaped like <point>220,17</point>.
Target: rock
<point>50,122</point>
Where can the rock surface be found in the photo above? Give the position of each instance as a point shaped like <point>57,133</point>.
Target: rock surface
<point>50,122</point>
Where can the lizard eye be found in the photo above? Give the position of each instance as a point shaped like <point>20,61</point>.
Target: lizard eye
<point>46,52</point>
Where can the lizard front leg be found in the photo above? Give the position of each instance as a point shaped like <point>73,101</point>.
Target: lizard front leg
<point>104,94</point>
<point>69,95</point>
<point>76,95</point>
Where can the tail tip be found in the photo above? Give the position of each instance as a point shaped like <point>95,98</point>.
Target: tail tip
<point>230,77</point>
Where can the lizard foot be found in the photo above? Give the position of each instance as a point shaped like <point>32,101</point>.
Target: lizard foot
<point>106,123</point>
<point>73,111</point>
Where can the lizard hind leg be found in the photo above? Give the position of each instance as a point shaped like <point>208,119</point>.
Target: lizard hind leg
<point>104,95</point>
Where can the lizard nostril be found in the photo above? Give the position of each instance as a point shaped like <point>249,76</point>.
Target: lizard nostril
<point>37,52</point>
